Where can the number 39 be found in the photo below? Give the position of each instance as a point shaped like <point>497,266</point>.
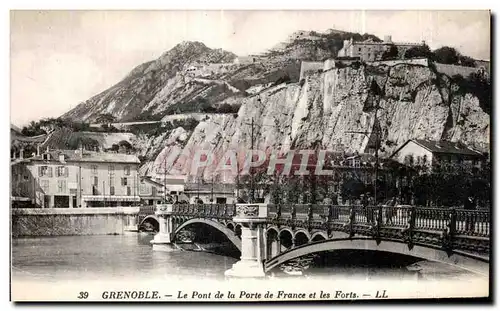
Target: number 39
<point>83,295</point>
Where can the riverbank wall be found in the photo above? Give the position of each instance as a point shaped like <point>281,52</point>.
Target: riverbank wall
<point>75,221</point>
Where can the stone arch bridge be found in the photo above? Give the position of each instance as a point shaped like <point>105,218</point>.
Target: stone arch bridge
<point>269,235</point>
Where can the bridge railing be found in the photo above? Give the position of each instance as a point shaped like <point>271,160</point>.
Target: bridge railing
<point>428,220</point>
<point>472,222</point>
<point>432,219</point>
<point>221,211</point>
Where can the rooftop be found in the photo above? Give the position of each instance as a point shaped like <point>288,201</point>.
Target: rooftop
<point>443,147</point>
<point>89,156</point>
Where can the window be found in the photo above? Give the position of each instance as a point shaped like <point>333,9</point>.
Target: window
<point>128,191</point>
<point>111,181</point>
<point>45,185</point>
<point>61,171</point>
<point>112,190</point>
<point>143,188</point>
<point>127,170</point>
<point>94,169</point>
<point>61,186</point>
<point>124,181</point>
<point>44,171</point>
<point>95,181</point>
<point>111,169</point>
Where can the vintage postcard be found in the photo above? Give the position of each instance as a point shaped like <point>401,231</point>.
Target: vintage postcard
<point>224,155</point>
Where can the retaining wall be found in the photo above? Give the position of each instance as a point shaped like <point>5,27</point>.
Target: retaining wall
<point>74,221</point>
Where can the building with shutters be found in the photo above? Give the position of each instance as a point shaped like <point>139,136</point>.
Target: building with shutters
<point>370,50</point>
<point>431,153</point>
<point>77,178</point>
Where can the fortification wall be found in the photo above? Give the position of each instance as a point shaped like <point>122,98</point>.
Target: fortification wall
<point>413,61</point>
<point>451,70</point>
<point>185,116</point>
<point>310,67</point>
<point>207,70</point>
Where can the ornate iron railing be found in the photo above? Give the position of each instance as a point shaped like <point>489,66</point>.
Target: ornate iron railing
<point>449,228</point>
<point>217,211</point>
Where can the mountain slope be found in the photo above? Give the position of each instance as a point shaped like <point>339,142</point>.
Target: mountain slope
<point>127,99</point>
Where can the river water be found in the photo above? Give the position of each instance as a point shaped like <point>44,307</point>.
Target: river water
<point>55,259</point>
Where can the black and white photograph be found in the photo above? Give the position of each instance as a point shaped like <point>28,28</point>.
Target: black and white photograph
<point>250,155</point>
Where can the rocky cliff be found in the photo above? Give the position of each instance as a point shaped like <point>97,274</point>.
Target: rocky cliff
<point>414,101</point>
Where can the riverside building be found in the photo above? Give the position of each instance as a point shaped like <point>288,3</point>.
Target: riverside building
<point>77,178</point>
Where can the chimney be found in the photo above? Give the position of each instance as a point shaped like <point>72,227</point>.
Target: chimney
<point>61,158</point>
<point>48,149</point>
<point>38,150</point>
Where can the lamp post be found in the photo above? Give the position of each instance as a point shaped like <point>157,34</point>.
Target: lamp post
<point>376,131</point>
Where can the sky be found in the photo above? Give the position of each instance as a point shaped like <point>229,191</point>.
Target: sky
<point>61,58</point>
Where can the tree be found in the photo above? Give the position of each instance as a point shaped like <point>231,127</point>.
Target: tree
<point>466,61</point>
<point>448,184</point>
<point>352,188</point>
<point>391,53</point>
<point>418,51</point>
<point>446,55</point>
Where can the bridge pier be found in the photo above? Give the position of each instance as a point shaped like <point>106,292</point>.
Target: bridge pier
<point>273,247</point>
<point>252,217</point>
<point>163,240</point>
<point>130,215</point>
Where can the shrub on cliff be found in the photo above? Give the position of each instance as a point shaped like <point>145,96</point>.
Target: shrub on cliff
<point>477,84</point>
<point>419,51</point>
<point>449,55</point>
<point>446,55</point>
<point>226,108</point>
<point>391,53</point>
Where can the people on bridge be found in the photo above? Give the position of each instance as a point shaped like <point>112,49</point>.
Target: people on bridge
<point>470,204</point>
<point>367,201</point>
<point>390,209</point>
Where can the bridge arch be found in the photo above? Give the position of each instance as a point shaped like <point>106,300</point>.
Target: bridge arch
<point>150,218</point>
<point>285,236</point>
<point>272,230</point>
<point>216,225</point>
<point>473,263</point>
<point>230,225</point>
<point>301,237</point>
<point>318,236</point>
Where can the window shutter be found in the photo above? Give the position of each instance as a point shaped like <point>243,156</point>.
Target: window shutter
<point>39,171</point>
<point>49,170</point>
<point>66,173</point>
